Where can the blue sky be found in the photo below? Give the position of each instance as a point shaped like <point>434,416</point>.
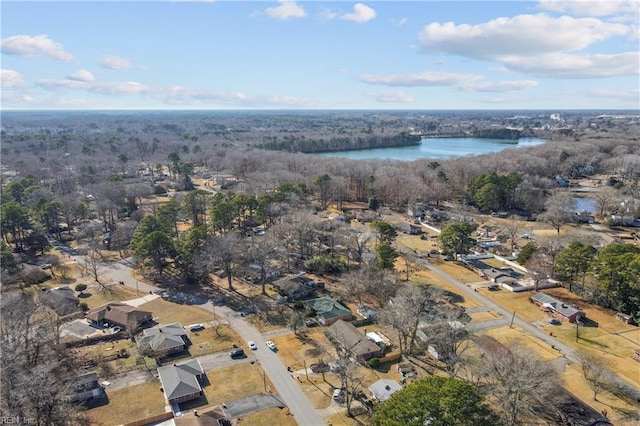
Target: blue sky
<point>550,54</point>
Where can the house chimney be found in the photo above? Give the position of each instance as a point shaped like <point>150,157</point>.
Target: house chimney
<point>387,388</point>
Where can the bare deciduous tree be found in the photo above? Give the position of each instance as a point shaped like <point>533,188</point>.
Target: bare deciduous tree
<point>521,385</point>
<point>411,306</point>
<point>596,372</point>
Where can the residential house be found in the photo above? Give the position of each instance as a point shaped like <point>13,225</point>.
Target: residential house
<point>558,308</point>
<point>367,312</point>
<point>416,210</point>
<point>350,338</point>
<point>182,382</point>
<point>295,288</point>
<point>85,387</point>
<point>409,228</point>
<point>62,300</point>
<point>127,317</point>
<point>328,310</point>
<point>383,389</point>
<point>163,340</point>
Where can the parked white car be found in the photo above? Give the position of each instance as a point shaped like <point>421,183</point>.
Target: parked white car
<point>271,345</point>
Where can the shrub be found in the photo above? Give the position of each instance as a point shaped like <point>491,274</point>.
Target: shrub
<point>81,287</point>
<point>83,306</point>
<point>374,362</point>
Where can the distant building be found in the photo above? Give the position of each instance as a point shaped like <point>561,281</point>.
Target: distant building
<point>344,334</point>
<point>328,310</point>
<point>558,308</point>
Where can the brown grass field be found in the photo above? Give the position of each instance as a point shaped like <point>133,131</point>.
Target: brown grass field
<point>427,277</point>
<point>235,382</point>
<point>269,417</point>
<point>128,404</point>
<point>168,312</point>
<point>97,296</point>
<point>206,341</point>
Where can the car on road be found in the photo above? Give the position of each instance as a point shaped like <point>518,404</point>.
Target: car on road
<point>237,353</point>
<point>252,346</point>
<point>196,327</point>
<point>46,266</point>
<point>271,345</point>
<point>554,321</point>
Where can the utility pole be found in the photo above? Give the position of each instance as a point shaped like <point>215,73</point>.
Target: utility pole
<point>512,318</point>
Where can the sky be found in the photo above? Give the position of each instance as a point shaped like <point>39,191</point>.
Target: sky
<point>239,55</point>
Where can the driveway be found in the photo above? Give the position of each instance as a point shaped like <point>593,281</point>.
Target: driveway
<point>78,329</point>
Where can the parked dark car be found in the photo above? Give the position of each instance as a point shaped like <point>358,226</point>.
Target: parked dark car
<point>237,353</point>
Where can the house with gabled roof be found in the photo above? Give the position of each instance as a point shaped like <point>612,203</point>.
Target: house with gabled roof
<point>328,310</point>
<point>128,317</point>
<point>163,340</point>
<point>557,307</point>
<point>62,300</point>
<point>346,335</point>
<point>182,382</point>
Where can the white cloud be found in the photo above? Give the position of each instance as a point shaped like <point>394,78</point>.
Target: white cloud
<point>30,46</point>
<point>11,79</point>
<point>399,22</point>
<point>120,88</point>
<point>81,75</point>
<point>522,35</point>
<point>631,95</point>
<point>55,84</point>
<point>499,86</point>
<point>113,62</point>
<point>564,65</point>
<point>328,14</point>
<point>361,14</point>
<point>420,80</point>
<point>286,10</point>
<point>461,81</point>
<point>391,97</point>
<point>591,7</point>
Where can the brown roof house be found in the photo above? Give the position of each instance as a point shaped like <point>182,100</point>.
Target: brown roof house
<point>163,340</point>
<point>344,334</point>
<point>182,382</point>
<point>127,317</point>
<point>62,300</point>
<point>295,288</point>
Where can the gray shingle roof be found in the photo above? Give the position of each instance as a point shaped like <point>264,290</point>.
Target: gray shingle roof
<point>179,380</point>
<point>555,304</point>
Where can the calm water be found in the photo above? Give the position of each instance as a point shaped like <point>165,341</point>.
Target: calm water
<point>437,148</point>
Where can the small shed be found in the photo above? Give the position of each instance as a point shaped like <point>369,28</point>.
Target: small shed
<point>627,319</point>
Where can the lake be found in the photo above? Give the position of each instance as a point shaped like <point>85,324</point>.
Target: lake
<point>437,148</point>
